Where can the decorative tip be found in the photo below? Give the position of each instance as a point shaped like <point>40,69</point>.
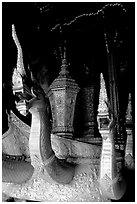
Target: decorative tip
<point>13,28</point>
<point>14,35</point>
<point>64,57</point>
<point>103,99</point>
<point>64,50</point>
<point>64,65</point>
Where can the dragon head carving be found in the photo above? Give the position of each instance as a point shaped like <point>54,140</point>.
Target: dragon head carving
<point>25,93</point>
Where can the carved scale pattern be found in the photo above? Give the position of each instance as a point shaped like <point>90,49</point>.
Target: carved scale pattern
<point>84,187</point>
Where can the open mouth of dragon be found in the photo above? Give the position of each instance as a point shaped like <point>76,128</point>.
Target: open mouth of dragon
<point>23,94</point>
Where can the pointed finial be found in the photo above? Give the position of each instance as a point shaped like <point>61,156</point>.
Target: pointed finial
<point>64,65</point>
<point>64,50</point>
<point>103,99</point>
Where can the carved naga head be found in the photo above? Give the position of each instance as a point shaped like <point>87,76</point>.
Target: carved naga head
<point>24,92</point>
<point>105,115</point>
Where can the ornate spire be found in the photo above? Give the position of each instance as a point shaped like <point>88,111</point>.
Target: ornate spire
<point>64,65</point>
<point>103,99</point>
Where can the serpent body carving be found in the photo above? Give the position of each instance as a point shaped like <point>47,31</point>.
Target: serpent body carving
<point>40,143</point>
